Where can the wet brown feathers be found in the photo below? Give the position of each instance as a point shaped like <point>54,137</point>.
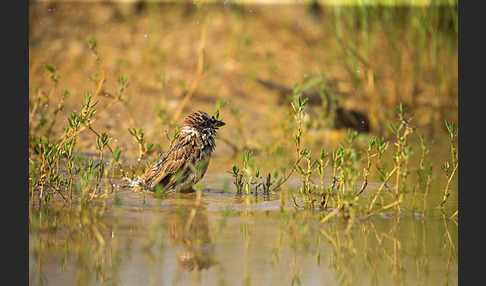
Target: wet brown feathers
<point>187,160</point>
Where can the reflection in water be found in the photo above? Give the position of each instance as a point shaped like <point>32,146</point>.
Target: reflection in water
<point>188,229</point>
<point>78,239</point>
<point>82,244</point>
<point>181,241</point>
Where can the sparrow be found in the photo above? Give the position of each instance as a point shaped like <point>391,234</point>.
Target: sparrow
<point>187,160</point>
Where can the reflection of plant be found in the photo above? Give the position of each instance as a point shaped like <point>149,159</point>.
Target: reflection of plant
<point>83,244</point>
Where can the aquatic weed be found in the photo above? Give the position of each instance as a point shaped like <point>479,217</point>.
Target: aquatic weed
<point>342,195</point>
<point>446,167</point>
<point>48,155</point>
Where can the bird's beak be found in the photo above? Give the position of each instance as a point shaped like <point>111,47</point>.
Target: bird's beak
<point>218,123</point>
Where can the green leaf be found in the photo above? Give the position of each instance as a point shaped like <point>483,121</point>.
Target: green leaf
<point>451,128</point>
<point>399,109</point>
<point>299,170</point>
<point>122,80</point>
<point>87,98</point>
<point>117,153</point>
<point>304,103</point>
<point>66,93</point>
<point>91,42</point>
<point>49,67</point>
<point>293,107</point>
<point>323,155</point>
<point>149,146</point>
<point>372,142</point>
<point>445,167</point>
<point>99,144</point>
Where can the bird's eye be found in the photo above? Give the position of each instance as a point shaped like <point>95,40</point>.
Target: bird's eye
<point>212,117</point>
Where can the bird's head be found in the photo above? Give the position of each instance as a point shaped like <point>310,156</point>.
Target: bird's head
<point>200,121</point>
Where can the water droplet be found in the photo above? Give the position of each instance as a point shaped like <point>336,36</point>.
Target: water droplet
<point>305,75</point>
<point>251,11</point>
<point>357,71</point>
<point>145,35</point>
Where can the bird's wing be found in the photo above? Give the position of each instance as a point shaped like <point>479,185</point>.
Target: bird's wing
<point>176,159</point>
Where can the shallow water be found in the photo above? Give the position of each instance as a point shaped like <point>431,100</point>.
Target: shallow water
<point>221,238</point>
<point>230,245</point>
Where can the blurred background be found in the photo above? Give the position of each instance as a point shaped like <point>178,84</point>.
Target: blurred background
<point>355,60</point>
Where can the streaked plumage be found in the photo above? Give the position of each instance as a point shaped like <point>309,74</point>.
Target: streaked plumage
<point>187,160</point>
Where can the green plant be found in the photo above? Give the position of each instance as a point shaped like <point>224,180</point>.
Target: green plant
<point>239,174</point>
<point>50,157</point>
<point>402,131</point>
<point>299,115</point>
<point>450,168</point>
<point>366,170</point>
<point>423,174</point>
<point>321,166</point>
<point>306,189</point>
<point>143,147</point>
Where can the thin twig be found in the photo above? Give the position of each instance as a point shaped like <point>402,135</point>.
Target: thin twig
<point>397,202</point>
<point>446,191</point>
<point>290,173</point>
<point>381,187</point>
